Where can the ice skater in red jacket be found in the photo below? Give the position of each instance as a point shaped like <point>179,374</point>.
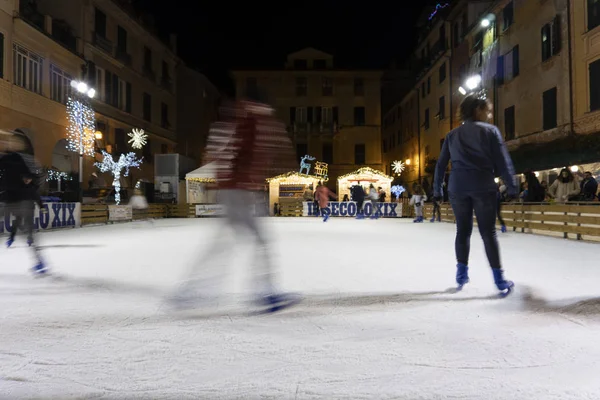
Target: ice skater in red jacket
<point>322,195</point>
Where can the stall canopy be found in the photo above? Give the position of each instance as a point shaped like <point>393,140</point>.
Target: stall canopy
<point>291,184</point>
<point>366,176</point>
<point>196,184</point>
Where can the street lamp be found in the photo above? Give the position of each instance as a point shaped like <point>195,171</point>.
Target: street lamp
<point>485,23</point>
<point>98,135</point>
<point>83,88</point>
<point>471,84</point>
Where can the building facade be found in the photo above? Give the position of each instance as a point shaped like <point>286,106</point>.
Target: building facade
<point>332,114</point>
<point>197,108</point>
<point>48,43</point>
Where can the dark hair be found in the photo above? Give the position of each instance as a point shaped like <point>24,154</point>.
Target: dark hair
<point>469,105</point>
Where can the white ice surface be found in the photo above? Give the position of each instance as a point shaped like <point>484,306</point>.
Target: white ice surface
<point>367,329</point>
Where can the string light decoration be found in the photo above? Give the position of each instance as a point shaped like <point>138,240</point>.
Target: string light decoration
<point>54,175</point>
<point>365,171</point>
<point>126,161</point>
<point>398,167</point>
<point>81,127</point>
<point>296,178</point>
<point>438,7</point>
<point>138,138</point>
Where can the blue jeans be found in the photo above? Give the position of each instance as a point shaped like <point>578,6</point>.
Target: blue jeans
<point>484,205</point>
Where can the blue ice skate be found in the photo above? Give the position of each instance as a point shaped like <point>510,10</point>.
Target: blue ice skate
<point>505,287</point>
<point>40,269</point>
<point>9,242</point>
<point>360,216</point>
<point>439,219</point>
<point>503,228</point>
<point>432,219</point>
<point>325,218</point>
<point>29,242</point>
<point>462,276</point>
<point>418,220</point>
<point>276,302</point>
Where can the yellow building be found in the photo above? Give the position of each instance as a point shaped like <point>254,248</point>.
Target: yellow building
<point>333,114</point>
<point>48,43</point>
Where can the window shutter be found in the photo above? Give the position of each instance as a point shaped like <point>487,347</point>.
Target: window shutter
<point>107,86</point>
<point>500,70</point>
<point>292,115</point>
<point>556,35</point>
<point>516,61</point>
<point>128,98</point>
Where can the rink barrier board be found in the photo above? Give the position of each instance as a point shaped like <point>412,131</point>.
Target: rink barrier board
<point>56,216</point>
<point>570,221</point>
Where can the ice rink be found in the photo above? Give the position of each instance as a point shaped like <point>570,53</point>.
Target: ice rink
<point>377,321</point>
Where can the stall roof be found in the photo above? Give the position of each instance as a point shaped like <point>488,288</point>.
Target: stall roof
<point>206,173</point>
<point>296,174</point>
<point>366,171</point>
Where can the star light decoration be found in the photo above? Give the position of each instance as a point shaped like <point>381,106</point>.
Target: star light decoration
<point>126,161</point>
<point>138,138</point>
<point>398,167</point>
<point>81,127</point>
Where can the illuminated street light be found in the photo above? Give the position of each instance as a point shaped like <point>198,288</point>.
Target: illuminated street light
<point>574,168</point>
<point>485,23</point>
<point>83,88</point>
<point>98,135</point>
<point>407,161</point>
<point>473,82</point>
<point>462,90</point>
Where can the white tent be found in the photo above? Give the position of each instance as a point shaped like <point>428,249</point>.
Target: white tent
<point>198,185</point>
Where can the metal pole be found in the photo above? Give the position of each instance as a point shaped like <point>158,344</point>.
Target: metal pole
<point>81,154</point>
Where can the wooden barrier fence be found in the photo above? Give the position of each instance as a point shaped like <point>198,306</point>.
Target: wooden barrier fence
<point>569,221</point>
<point>98,213</point>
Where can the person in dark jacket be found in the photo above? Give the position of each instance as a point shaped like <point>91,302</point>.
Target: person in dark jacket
<point>20,183</point>
<point>478,154</point>
<point>589,187</point>
<point>535,191</point>
<point>358,195</point>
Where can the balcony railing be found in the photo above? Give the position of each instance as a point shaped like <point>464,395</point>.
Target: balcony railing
<point>123,56</point>
<point>29,13</point>
<point>103,43</point>
<point>62,33</point>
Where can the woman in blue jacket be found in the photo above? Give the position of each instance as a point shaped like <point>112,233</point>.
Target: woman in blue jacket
<point>478,154</point>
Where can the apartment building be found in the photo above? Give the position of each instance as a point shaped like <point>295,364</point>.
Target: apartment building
<point>332,114</point>
<point>103,44</point>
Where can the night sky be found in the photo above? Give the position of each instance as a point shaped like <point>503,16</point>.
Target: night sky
<point>217,37</point>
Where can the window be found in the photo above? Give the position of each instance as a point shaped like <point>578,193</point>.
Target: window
<point>1,55</point>
<point>60,84</point>
<point>509,123</point>
<point>443,73</point>
<point>27,69</point>
<point>164,148</point>
<point>428,84</point>
<point>319,64</point>
<point>442,108</point>
<point>124,100</point>
<point>301,87</point>
<point>166,76</point>
<point>327,156</point>
<point>593,11</point>
<point>121,40</point>
<point>327,87</point>
<point>100,23</point>
<point>164,116</point>
<point>508,16</point>
<point>550,109</point>
<point>100,92</point>
<point>120,141</point>
<point>508,66</point>
<point>147,59</point>
<point>464,22</point>
<point>301,115</point>
<point>551,39</point>
<point>251,87</point>
<point>423,92</point>
<point>359,116</point>
<point>147,107</point>
<point>456,34</point>
<point>359,87</point>
<point>301,150</point>
<point>326,115</point>
<point>595,85</point>
<point>360,154</point>
<point>300,64</point>
<point>426,118</point>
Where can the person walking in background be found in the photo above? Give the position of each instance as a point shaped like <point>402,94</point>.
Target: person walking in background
<point>381,195</point>
<point>247,146</point>
<point>564,187</point>
<point>322,196</point>
<point>21,180</point>
<point>417,200</point>
<point>589,187</point>
<point>478,154</point>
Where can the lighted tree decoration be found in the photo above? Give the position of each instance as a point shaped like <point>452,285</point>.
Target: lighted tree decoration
<point>81,127</point>
<point>138,138</point>
<point>398,167</point>
<point>58,176</point>
<point>126,161</point>
<point>397,190</point>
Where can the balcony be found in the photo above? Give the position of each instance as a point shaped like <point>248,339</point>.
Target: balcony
<point>28,11</point>
<point>123,56</point>
<point>103,43</point>
<point>62,33</point>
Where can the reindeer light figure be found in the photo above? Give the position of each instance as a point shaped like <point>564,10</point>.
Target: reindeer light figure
<point>305,165</point>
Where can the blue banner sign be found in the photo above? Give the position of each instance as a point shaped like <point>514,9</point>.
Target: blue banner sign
<point>58,215</point>
<point>350,209</point>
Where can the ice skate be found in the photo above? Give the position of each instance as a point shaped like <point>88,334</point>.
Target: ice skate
<point>418,220</point>
<point>9,242</point>
<point>432,220</point>
<point>503,228</point>
<point>326,218</point>
<point>439,219</point>
<point>505,287</point>
<point>40,269</point>
<point>276,302</point>
<point>29,242</point>
<point>462,276</point>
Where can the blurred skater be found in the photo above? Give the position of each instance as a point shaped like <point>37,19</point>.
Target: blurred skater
<point>417,200</point>
<point>322,195</point>
<point>358,195</point>
<point>139,202</point>
<point>248,146</point>
<point>21,180</point>
<point>478,154</point>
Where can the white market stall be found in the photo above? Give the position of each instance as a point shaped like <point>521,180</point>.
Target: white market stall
<point>199,185</point>
<point>289,186</point>
<point>366,176</point>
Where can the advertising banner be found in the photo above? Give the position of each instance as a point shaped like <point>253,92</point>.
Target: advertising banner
<point>120,213</point>
<point>350,209</point>
<point>210,210</point>
<point>58,216</point>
